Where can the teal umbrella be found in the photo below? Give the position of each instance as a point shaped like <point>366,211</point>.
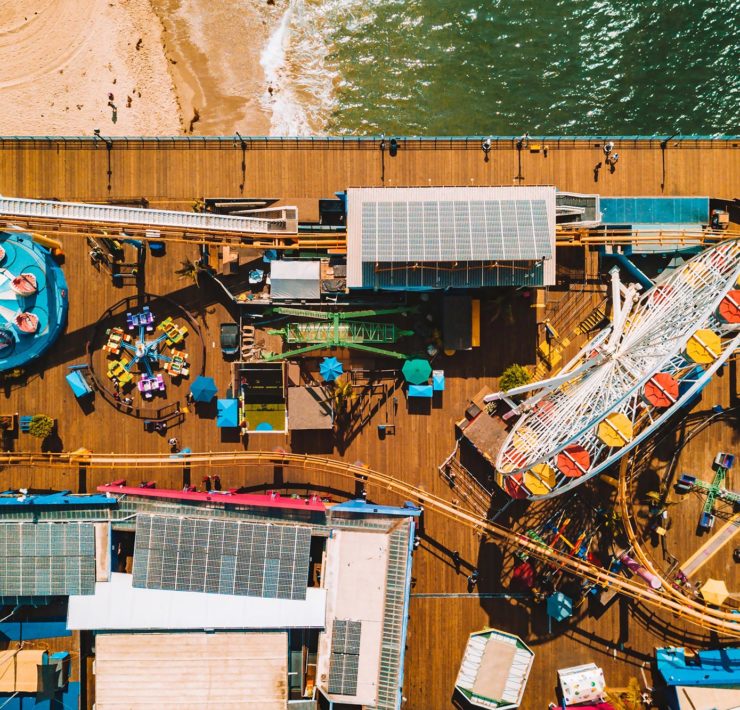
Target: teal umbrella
<point>416,372</point>
<point>203,389</point>
<point>330,368</point>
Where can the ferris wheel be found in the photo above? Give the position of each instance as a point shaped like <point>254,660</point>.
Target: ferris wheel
<point>660,350</point>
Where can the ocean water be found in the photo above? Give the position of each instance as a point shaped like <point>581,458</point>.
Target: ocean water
<point>502,67</point>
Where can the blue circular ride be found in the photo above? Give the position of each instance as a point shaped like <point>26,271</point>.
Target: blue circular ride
<point>33,300</point>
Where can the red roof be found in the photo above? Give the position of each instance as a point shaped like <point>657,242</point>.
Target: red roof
<point>258,500</point>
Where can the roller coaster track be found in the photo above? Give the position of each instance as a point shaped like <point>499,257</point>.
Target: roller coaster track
<point>335,242</point>
<point>59,227</point>
<point>636,546</point>
<point>685,609</point>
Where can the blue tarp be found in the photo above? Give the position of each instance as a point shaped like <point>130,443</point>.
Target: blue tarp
<point>28,630</point>
<point>203,389</point>
<point>78,384</point>
<point>362,507</point>
<point>228,413</point>
<point>718,667</point>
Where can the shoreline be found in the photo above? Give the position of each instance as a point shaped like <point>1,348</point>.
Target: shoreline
<point>213,60</point>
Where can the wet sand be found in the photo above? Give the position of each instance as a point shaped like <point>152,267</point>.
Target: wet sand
<point>214,52</point>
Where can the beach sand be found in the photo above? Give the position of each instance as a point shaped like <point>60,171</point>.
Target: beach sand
<point>216,48</point>
<point>160,59</point>
<point>61,59</point>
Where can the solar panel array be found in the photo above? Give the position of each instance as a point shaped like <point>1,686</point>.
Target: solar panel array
<point>345,657</point>
<point>455,230</point>
<point>221,556</point>
<point>47,559</point>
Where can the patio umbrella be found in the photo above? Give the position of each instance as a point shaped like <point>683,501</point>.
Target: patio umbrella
<point>417,371</point>
<point>330,368</point>
<point>203,389</point>
<point>704,346</point>
<point>661,390</point>
<point>559,606</point>
<point>227,413</point>
<point>714,591</point>
<point>573,461</point>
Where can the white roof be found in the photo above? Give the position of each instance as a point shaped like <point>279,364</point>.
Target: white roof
<point>355,573</point>
<point>119,605</point>
<point>208,671</point>
<point>295,279</point>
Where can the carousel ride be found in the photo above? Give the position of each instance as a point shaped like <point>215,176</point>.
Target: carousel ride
<point>660,350</point>
<point>33,300</point>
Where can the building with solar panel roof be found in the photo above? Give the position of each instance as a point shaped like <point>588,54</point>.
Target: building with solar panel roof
<point>419,238</point>
<point>217,598</point>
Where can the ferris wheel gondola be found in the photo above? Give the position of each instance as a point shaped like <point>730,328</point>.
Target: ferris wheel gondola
<point>660,350</point>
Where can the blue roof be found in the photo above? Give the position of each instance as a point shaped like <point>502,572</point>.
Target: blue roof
<point>78,384</point>
<point>228,413</point>
<point>15,499</point>
<point>717,667</point>
<point>362,507</point>
<point>654,210</point>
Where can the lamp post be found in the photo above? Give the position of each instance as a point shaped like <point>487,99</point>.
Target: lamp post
<point>663,146</point>
<point>520,143</point>
<point>109,147</point>
<point>243,144</point>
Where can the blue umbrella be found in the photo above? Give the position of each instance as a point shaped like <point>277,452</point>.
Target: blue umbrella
<point>203,389</point>
<point>559,606</point>
<point>330,369</point>
<point>228,413</point>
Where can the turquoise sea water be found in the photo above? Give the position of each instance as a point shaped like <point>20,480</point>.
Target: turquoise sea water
<point>440,67</point>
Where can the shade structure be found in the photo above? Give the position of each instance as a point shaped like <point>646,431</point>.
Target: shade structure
<point>540,479</point>
<point>559,606</point>
<point>330,368</point>
<point>704,346</point>
<point>203,389</point>
<point>714,591</point>
<point>78,384</point>
<point>417,371</point>
<point>228,413</point>
<point>729,306</point>
<point>573,461</point>
<point>615,430</point>
<point>661,390</point>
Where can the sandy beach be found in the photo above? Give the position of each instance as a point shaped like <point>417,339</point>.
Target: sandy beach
<point>133,67</point>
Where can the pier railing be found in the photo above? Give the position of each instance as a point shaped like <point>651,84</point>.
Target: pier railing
<point>530,143</point>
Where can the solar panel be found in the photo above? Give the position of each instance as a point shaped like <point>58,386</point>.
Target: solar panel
<point>221,556</point>
<point>47,559</point>
<point>345,657</point>
<point>455,230</point>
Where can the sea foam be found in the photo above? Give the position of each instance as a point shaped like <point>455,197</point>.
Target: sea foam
<point>298,68</point>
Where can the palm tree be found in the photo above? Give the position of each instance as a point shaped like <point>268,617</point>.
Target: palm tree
<point>189,270</point>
